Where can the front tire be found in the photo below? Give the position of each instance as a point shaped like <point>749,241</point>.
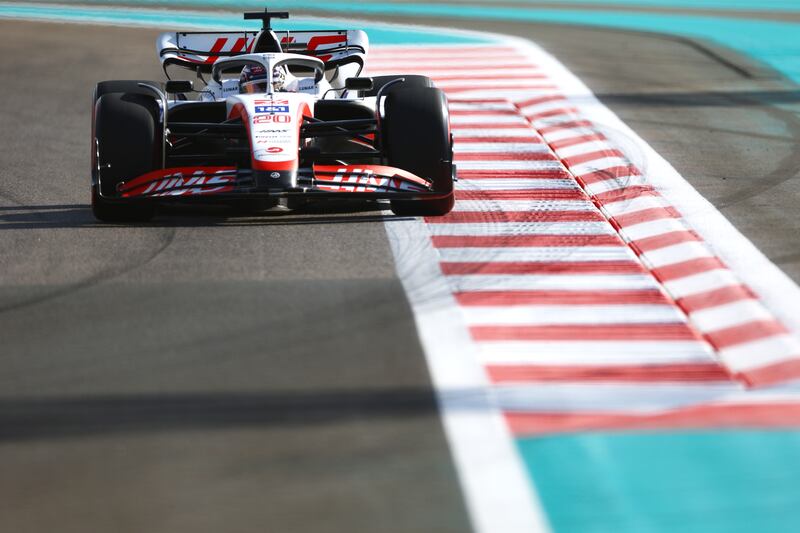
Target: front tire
<point>126,129</point>
<point>416,136</point>
<point>410,81</point>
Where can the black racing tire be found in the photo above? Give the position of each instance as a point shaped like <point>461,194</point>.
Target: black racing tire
<point>121,86</point>
<point>128,145</point>
<point>416,137</point>
<point>411,81</point>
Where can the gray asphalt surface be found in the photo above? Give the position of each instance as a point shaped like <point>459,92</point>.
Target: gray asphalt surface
<point>201,373</point>
<point>263,374</point>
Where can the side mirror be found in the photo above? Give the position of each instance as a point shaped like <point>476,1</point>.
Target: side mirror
<point>179,86</point>
<point>358,84</point>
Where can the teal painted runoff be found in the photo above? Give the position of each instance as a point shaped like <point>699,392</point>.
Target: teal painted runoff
<point>732,5</point>
<point>688,482</point>
<point>216,20</point>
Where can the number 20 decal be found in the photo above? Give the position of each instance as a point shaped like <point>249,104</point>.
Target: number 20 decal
<point>264,119</point>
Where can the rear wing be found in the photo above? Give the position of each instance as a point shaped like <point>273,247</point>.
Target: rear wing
<point>195,50</point>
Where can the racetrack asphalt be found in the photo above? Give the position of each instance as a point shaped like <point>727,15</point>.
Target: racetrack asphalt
<point>205,373</point>
<point>198,373</point>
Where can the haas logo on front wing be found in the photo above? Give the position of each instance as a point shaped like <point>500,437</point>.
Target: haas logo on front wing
<point>347,179</point>
<point>198,183</point>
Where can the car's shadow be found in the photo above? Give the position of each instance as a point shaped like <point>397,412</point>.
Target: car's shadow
<point>59,216</point>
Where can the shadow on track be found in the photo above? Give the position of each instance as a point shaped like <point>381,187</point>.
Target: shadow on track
<point>80,216</point>
<point>64,417</point>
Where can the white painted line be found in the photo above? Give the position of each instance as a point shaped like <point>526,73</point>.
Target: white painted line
<point>534,109</point>
<point>501,148</point>
<point>729,315</point>
<point>555,120</point>
<point>522,228</point>
<point>598,282</point>
<point>515,184</point>
<point>481,106</point>
<point>616,183</point>
<point>381,66</point>
<point>511,165</point>
<point>759,353</point>
<point>568,133</point>
<point>511,94</point>
<point>494,132</point>
<point>470,74</point>
<point>699,283</point>
<point>653,228</point>
<point>641,398</point>
<point>572,314</point>
<point>498,493</point>
<point>632,205</point>
<point>486,119</point>
<point>598,164</point>
<point>498,83</point>
<point>595,352</point>
<point>537,254</point>
<point>584,148</point>
<point>524,205</point>
<point>677,253</point>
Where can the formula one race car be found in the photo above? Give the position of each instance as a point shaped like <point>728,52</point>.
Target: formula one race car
<point>283,119</point>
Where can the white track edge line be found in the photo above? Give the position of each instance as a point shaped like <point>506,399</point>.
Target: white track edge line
<point>498,493</point>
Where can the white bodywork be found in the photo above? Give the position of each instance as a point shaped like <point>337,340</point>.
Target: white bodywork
<point>273,123</point>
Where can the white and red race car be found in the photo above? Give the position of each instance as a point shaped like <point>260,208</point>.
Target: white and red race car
<point>283,118</point>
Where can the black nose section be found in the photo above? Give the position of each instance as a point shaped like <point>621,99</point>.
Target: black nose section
<point>267,180</point>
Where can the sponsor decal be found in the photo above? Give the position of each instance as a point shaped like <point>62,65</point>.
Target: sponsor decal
<point>200,182</point>
<point>271,102</point>
<point>274,149</point>
<point>272,119</point>
<point>272,109</point>
<point>273,137</point>
<point>365,180</point>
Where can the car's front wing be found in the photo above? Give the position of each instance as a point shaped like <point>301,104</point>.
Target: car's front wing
<point>319,181</point>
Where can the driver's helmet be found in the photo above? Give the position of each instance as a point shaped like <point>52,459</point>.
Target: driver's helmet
<point>253,79</point>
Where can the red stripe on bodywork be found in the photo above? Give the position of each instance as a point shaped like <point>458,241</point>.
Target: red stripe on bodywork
<point>218,46</point>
